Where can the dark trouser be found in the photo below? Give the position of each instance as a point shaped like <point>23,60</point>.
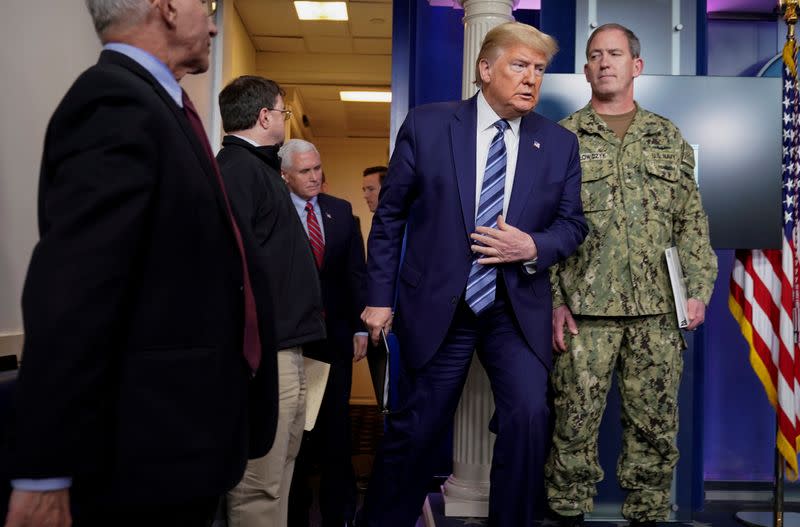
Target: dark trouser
<point>329,445</point>
<point>195,513</point>
<point>522,423</point>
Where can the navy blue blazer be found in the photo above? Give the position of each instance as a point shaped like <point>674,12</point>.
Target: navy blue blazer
<point>342,274</point>
<point>430,191</point>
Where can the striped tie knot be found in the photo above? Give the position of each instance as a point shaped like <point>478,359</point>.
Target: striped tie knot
<point>502,125</point>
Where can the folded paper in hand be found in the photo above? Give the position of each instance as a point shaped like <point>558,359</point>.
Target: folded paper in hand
<point>316,380</point>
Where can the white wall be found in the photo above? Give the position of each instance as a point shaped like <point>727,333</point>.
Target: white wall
<point>44,46</point>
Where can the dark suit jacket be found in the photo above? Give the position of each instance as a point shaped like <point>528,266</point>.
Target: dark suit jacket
<point>133,380</point>
<point>430,191</point>
<point>342,274</point>
<point>280,249</point>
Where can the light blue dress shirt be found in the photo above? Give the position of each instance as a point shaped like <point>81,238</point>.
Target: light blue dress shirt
<point>154,67</point>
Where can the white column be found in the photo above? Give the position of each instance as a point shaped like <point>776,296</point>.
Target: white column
<point>479,17</point>
<point>466,492</point>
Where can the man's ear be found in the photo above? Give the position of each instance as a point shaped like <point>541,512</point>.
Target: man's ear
<point>263,117</point>
<point>168,11</point>
<point>485,70</point>
<point>638,66</point>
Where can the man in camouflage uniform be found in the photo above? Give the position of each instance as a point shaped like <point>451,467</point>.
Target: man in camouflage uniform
<point>614,296</point>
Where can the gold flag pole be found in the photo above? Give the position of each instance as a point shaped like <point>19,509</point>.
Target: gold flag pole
<point>789,9</point>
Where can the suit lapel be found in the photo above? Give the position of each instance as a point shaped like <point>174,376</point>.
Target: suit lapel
<point>209,170</point>
<point>200,152</point>
<point>328,225</point>
<point>528,167</point>
<point>463,147</point>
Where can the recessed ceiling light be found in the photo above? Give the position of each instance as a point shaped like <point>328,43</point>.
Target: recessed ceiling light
<point>321,10</point>
<point>366,96</point>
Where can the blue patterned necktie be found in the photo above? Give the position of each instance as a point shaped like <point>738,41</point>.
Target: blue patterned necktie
<point>482,280</point>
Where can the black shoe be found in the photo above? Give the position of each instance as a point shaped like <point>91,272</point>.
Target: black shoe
<point>642,523</point>
<point>569,521</point>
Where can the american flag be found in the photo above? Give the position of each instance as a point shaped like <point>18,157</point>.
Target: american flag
<point>764,297</point>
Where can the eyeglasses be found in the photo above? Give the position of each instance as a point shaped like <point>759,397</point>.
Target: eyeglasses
<point>287,114</point>
<point>211,6</point>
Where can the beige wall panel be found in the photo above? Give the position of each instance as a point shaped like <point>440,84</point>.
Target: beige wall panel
<point>239,54</point>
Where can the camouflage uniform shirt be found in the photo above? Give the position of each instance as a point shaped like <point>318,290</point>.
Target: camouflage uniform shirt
<point>639,197</point>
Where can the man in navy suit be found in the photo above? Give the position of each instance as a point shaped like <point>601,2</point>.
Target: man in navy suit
<point>337,244</point>
<point>488,194</point>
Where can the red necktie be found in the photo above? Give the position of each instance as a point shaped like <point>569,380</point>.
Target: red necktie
<point>251,341</point>
<point>315,234</point>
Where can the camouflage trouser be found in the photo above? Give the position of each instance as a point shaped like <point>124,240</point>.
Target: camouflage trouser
<point>646,353</point>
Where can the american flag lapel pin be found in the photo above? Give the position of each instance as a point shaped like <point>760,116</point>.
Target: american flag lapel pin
<point>328,215</point>
<point>536,144</point>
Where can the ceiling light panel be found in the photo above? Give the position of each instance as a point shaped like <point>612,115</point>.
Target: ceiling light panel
<point>321,10</point>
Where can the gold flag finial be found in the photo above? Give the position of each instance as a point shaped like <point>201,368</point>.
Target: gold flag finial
<point>789,9</point>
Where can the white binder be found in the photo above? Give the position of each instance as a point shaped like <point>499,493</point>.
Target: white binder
<point>678,283</point>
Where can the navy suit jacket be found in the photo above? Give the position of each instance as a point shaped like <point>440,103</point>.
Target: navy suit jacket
<point>430,192</point>
<point>342,275</point>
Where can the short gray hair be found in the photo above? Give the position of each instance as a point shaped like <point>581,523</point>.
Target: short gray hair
<point>634,46</point>
<point>292,147</point>
<point>108,13</point>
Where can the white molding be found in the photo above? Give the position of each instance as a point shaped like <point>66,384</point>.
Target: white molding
<point>11,343</point>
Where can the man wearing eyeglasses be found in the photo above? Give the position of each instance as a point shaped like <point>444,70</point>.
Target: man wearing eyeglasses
<point>254,116</point>
<point>142,340</point>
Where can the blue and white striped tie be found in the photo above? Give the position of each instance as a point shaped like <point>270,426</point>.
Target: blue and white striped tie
<point>482,280</point>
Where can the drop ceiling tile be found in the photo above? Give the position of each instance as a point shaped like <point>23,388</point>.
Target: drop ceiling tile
<point>324,28</point>
<point>329,44</point>
<point>373,46</point>
<point>280,44</point>
<point>370,20</point>
<point>273,18</point>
